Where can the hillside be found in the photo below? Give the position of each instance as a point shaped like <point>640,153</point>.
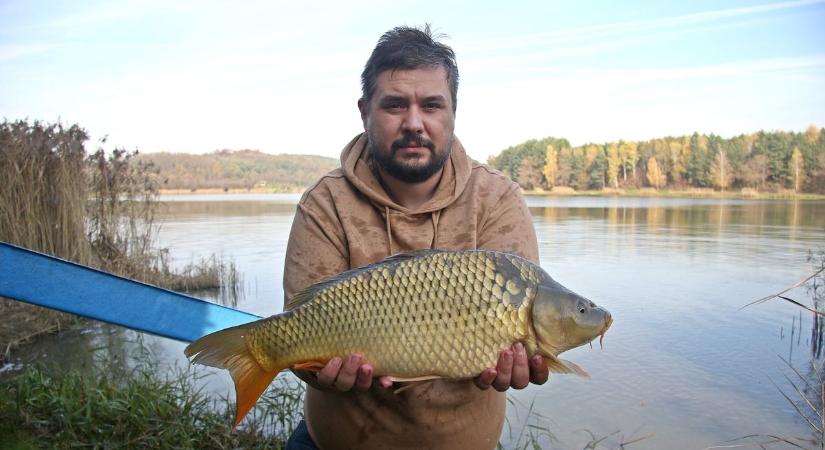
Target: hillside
<point>242,169</point>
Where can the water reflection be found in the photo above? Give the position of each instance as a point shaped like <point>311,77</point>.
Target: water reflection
<point>792,214</point>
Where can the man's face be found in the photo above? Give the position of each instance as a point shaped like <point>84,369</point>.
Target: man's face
<point>410,122</point>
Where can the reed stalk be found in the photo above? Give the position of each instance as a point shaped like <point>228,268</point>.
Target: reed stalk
<point>95,209</point>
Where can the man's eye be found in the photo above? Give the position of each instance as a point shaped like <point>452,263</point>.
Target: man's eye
<point>432,106</point>
<point>393,106</point>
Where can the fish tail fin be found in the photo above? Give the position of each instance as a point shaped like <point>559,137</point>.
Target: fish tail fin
<point>558,365</point>
<point>226,349</point>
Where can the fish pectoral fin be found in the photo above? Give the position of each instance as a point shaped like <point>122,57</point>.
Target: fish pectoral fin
<point>313,366</point>
<point>421,378</point>
<point>557,365</point>
<point>411,382</point>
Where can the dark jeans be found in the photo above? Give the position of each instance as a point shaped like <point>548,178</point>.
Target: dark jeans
<point>300,439</point>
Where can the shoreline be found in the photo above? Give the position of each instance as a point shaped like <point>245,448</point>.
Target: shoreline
<point>203,191</point>
<point>748,194</point>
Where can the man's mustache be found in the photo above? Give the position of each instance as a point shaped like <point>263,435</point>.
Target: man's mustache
<point>413,140</point>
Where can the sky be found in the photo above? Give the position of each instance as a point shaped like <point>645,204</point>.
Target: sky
<point>284,77</point>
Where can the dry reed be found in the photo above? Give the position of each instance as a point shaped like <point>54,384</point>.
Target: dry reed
<point>94,209</point>
<point>808,398</point>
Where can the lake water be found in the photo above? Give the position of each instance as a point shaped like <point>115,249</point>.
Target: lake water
<point>682,366</point>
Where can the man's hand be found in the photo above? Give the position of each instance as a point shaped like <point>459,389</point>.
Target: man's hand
<point>344,375</point>
<point>514,370</point>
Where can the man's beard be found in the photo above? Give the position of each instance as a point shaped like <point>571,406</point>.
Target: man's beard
<point>411,173</point>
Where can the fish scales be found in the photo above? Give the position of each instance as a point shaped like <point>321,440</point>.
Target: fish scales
<point>456,323</point>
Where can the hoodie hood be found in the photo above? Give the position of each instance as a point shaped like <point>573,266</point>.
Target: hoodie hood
<point>357,165</point>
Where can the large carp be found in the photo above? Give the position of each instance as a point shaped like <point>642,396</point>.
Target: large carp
<point>414,316</point>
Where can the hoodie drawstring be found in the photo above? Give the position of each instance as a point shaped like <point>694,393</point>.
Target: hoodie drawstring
<point>389,232</point>
<point>435,216</point>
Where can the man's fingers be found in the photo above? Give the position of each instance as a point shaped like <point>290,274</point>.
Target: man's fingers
<point>346,377</point>
<point>505,370</point>
<point>538,370</point>
<point>363,380</point>
<point>486,378</point>
<point>385,381</point>
<point>520,377</point>
<point>327,375</point>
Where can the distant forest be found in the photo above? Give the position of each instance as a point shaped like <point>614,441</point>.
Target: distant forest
<point>241,169</point>
<point>763,161</point>
<point>774,161</point>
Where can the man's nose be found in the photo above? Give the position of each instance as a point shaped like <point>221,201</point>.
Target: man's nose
<point>413,121</point>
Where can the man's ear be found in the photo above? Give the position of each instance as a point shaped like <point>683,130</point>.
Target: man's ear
<point>362,107</point>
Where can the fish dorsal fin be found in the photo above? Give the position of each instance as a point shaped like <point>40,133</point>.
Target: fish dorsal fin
<point>403,256</point>
<point>304,296</point>
<point>558,365</point>
<point>310,292</point>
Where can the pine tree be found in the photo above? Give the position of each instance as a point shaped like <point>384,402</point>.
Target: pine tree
<point>598,170</point>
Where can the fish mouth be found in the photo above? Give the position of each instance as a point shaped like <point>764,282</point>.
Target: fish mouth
<point>607,322</point>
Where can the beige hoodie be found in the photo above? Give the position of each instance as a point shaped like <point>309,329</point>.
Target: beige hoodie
<point>347,220</point>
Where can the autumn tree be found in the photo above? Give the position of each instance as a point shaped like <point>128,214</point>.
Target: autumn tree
<point>677,161</point>
<point>535,149</point>
<point>551,166</point>
<point>628,154</point>
<point>720,171</point>
<point>565,166</point>
<point>797,169</point>
<point>755,172</point>
<point>529,176</point>
<point>613,164</point>
<point>655,176</point>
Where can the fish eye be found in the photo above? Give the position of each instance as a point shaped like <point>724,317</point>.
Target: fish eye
<point>582,308</point>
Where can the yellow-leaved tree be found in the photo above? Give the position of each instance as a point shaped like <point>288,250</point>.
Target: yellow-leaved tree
<point>551,166</point>
<point>613,164</point>
<point>797,169</point>
<point>655,176</point>
<point>720,171</point>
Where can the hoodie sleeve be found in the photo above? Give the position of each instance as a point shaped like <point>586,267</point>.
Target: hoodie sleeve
<point>317,246</point>
<point>509,227</point>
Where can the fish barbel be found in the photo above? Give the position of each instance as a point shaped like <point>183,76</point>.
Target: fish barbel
<point>414,316</point>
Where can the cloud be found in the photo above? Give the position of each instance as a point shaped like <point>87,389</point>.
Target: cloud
<point>806,64</point>
<point>609,31</point>
<point>10,52</point>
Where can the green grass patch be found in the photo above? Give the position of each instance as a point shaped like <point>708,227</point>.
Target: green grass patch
<point>136,408</point>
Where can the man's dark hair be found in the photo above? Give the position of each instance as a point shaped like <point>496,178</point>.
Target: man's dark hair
<point>407,48</point>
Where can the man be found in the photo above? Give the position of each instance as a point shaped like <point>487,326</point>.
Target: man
<point>406,184</point>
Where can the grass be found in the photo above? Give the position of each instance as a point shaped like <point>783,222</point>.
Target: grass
<point>534,433</point>
<point>111,406</point>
